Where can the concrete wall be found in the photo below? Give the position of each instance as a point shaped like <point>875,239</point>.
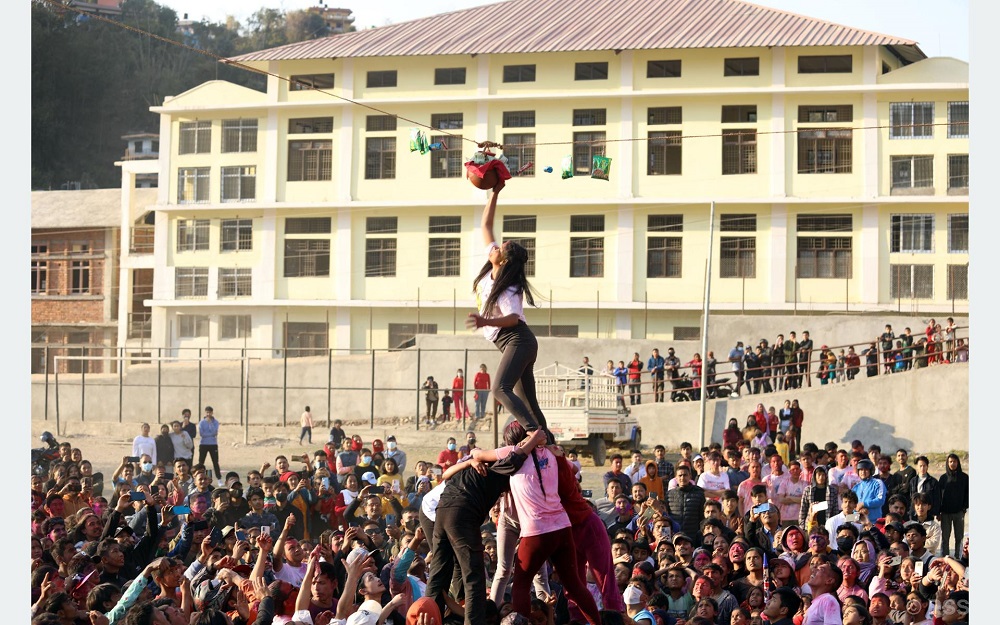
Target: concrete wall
<point>925,410</point>
<point>397,375</point>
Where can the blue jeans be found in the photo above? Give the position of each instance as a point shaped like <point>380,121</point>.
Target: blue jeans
<point>482,395</point>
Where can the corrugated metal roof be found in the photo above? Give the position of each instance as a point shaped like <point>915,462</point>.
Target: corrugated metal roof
<point>91,208</point>
<point>520,26</point>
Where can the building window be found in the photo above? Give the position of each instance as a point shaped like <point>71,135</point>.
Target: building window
<point>39,269</point>
<point>586,223</point>
<point>380,158</point>
<point>447,121</point>
<point>665,223</point>
<point>449,76</point>
<point>824,257</point>
<point>310,125</point>
<point>39,277</point>
<point>308,82</point>
<point>307,258</point>
<point>239,135</point>
<point>911,281</point>
<point>80,277</point>
<point>192,185</point>
<point>742,67</point>
<point>380,123</point>
<point>586,257</point>
<point>663,69</point>
<point>739,114</point>
<point>591,71</point>
<point>827,64</point>
<point>445,225</point>
<point>239,184</point>
<point>911,120</point>
<point>738,257</point>
<point>664,153</point>
<point>586,145</point>
<point>825,223</point>
<point>380,258</point>
<point>912,172</point>
<point>301,339</point>
<point>528,243</point>
<point>237,235</point>
<point>826,114</point>
<point>192,326</point>
<point>195,138</point>
<point>235,327</point>
<point>958,120</point>
<point>447,163</point>
<point>519,73</point>
<point>310,160</point>
<point>958,234</point>
<point>958,281</point>
<point>519,223</point>
<point>385,78</point>
<point>381,225</point>
<point>911,234</point>
<point>308,225</point>
<point>403,335</point>
<point>192,235</point>
<point>235,282</point>
<point>520,150</point>
<point>825,151</point>
<point>958,171</point>
<point>444,257</point>
<point>590,117</point>
<point>663,257</point>
<point>657,115</point>
<point>519,119</point>
<point>738,222</point>
<point>739,151</point>
<point>190,282</point>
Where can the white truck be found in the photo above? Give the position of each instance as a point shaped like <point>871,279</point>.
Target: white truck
<point>585,411</point>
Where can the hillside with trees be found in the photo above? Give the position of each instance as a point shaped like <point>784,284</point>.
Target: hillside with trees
<point>92,82</point>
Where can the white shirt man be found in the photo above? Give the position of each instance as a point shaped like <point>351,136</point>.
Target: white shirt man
<point>144,444</point>
<point>713,481</point>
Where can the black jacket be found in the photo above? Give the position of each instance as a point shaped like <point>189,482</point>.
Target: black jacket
<point>954,486</point>
<point>687,507</point>
<point>930,487</point>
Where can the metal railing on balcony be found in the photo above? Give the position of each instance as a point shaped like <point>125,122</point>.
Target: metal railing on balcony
<point>140,325</point>
<point>142,240</point>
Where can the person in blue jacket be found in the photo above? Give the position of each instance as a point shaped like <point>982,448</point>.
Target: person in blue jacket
<point>871,491</point>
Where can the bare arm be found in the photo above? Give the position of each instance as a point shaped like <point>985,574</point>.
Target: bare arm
<point>488,211</point>
<point>524,447</point>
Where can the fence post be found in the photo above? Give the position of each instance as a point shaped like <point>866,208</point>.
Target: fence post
<point>57,400</point>
<point>417,417</point>
<point>83,383</point>
<point>121,381</point>
<point>46,382</point>
<point>373,391</point>
<point>159,385</point>
<point>199,380</point>
<point>243,361</point>
<point>284,383</point>
<point>465,385</point>
<point>246,423</point>
<point>329,389</point>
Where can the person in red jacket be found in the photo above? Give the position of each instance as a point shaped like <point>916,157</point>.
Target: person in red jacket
<point>482,385</point>
<point>635,380</point>
<point>458,395</point>
<point>593,546</point>
<point>449,457</point>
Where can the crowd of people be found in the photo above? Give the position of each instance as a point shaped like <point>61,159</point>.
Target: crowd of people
<point>779,366</point>
<point>741,531</point>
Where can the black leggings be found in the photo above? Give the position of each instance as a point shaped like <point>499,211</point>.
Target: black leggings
<point>514,381</point>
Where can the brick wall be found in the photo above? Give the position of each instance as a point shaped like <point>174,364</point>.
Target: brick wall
<point>67,311</point>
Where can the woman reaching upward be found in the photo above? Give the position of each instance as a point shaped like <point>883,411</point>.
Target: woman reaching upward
<point>501,289</point>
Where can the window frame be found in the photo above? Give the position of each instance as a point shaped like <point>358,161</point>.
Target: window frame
<point>386,79</point>
<point>951,286</point>
<point>385,153</point>
<point>809,146</point>
<point>306,258</point>
<point>921,226</point>
<point>201,186</point>
<point>590,117</point>
<point>310,161</point>
<point>242,327</point>
<point>586,146</point>
<point>518,119</point>
<point>236,234</point>
<point>826,64</point>
<point>386,254</point>
<point>193,235</point>
<point>190,282</point>
<point>664,68</point>
<point>667,142</point>
<point>591,251</point>
<point>520,73</point>
<point>737,246</point>
<point>952,230</point>
<point>744,149</point>
<point>453,166</point>
<point>201,131</point>
<point>952,158</point>
<point>903,122</point>
<point>310,125</point>
<point>242,131</point>
<point>672,262</point>
<point>739,114</point>
<point>955,128</point>
<point>312,82</point>
<point>200,326</point>
<point>745,66</point>
<point>914,161</point>
<point>836,268</point>
<point>912,281</point>
<point>235,282</point>
<point>444,257</point>
<point>81,277</point>
<point>591,70</point>
<point>246,183</point>
<point>519,148</point>
<point>448,75</point>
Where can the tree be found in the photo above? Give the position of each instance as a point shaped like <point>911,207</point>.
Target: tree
<point>305,25</point>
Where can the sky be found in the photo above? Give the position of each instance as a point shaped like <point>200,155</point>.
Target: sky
<point>941,27</point>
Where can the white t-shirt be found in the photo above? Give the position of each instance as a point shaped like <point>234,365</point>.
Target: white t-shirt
<point>292,574</point>
<point>714,482</point>
<point>144,445</point>
<point>509,302</point>
<point>825,610</point>
<point>429,504</point>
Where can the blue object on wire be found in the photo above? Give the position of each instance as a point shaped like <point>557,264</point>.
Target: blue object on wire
<point>548,170</point>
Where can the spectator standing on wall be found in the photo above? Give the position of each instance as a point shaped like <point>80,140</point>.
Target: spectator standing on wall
<point>208,429</point>
<point>306,421</point>
<point>481,382</point>
<point>635,380</point>
<point>655,366</point>
<point>736,362</point>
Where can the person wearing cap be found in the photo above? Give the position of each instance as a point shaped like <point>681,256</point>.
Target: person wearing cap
<point>208,430</point>
<point>870,490</point>
<point>393,451</point>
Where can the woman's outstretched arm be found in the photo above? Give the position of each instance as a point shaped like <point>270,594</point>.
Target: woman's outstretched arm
<point>488,212</point>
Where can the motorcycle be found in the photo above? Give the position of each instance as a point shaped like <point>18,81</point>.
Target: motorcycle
<point>42,457</point>
<point>720,388</point>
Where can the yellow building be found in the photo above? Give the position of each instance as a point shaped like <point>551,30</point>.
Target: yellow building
<point>837,159</point>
